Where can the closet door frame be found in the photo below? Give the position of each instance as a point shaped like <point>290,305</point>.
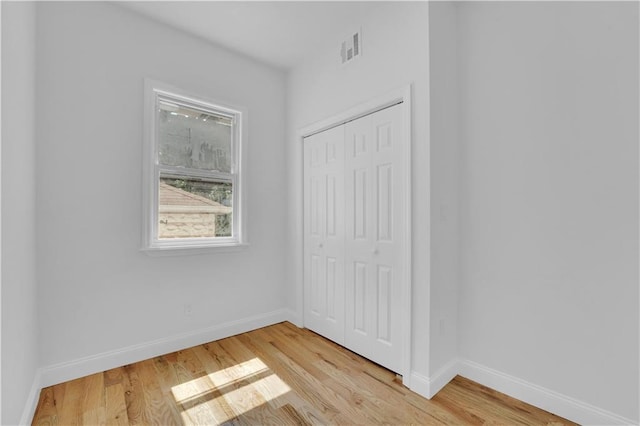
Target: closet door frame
<point>399,96</point>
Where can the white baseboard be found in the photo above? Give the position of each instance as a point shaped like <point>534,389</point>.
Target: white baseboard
<point>546,399</point>
<point>81,367</point>
<point>32,400</point>
<point>554,402</point>
<point>418,383</point>
<point>443,376</point>
<point>429,386</point>
<point>294,318</point>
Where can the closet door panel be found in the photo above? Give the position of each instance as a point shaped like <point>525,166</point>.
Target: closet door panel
<point>373,238</point>
<point>324,233</point>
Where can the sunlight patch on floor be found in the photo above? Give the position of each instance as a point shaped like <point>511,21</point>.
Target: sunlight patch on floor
<point>228,393</point>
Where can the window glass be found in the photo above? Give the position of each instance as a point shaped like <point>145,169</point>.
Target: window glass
<point>194,208</point>
<point>193,138</point>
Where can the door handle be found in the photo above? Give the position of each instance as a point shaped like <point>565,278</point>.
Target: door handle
<point>375,251</point>
<point>320,245</point>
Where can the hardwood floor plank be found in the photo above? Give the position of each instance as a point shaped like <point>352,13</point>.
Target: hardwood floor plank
<point>263,379</point>
<point>71,409</point>
<point>96,416</point>
<point>530,412</point>
<point>47,412</point>
<point>134,396</point>
<point>277,375</point>
<point>305,410</point>
<point>167,379</point>
<point>93,402</point>
<point>114,376</point>
<point>219,404</point>
<point>275,391</point>
<point>303,383</point>
<point>159,412</point>
<point>116,406</point>
<point>58,397</point>
<point>273,388</point>
<point>292,414</point>
<point>190,362</point>
<point>184,394</point>
<point>236,377</point>
<point>300,353</point>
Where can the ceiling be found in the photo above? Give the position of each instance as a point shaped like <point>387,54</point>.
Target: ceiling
<point>279,33</point>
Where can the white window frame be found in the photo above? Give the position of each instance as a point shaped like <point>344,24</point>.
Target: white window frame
<point>151,170</point>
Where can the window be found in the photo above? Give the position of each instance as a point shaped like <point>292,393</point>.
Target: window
<point>192,181</point>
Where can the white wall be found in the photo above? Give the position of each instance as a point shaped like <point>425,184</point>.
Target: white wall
<point>549,219</point>
<point>19,313</point>
<point>98,292</point>
<point>395,53</point>
<point>445,191</point>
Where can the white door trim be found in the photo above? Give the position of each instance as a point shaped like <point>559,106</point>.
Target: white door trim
<point>400,95</point>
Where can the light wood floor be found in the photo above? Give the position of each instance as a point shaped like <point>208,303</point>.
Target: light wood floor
<point>276,375</point>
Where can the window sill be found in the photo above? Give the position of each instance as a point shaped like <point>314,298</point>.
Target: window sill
<point>183,250</point>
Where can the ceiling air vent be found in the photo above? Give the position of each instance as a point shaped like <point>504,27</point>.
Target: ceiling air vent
<point>351,47</point>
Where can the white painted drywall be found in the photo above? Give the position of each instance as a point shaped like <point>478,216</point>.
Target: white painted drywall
<point>445,172</point>
<point>549,213</point>
<point>19,307</point>
<point>98,292</point>
<point>395,53</point>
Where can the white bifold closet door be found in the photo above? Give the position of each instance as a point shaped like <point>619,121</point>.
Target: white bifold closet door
<point>354,235</point>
